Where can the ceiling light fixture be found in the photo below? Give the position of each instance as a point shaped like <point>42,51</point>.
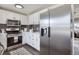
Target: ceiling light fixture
<point>19,6</point>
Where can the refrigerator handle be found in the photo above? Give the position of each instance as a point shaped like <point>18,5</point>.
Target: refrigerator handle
<point>48,31</point>
<point>43,31</point>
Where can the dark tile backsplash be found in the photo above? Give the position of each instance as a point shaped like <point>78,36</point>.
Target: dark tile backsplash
<point>25,26</point>
<point>2,26</point>
<point>34,27</point>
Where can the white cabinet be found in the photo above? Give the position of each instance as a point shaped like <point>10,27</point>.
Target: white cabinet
<point>32,39</point>
<point>31,19</point>
<point>12,16</point>
<point>36,19</point>
<point>24,20</point>
<point>37,41</point>
<point>17,16</point>
<point>3,40</point>
<point>25,37</point>
<point>9,15</point>
<point>2,17</point>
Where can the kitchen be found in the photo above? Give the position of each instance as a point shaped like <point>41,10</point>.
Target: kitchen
<point>38,29</point>
<point>17,29</point>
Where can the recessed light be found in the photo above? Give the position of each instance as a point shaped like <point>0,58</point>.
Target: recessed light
<point>19,6</point>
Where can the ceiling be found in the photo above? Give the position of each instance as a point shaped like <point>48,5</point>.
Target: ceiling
<point>28,8</point>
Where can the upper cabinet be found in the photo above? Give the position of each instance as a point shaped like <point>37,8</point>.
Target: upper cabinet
<point>2,17</point>
<point>24,20</point>
<point>12,16</point>
<point>34,19</point>
<point>31,17</point>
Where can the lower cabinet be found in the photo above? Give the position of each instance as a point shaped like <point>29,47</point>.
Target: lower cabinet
<point>32,39</point>
<point>25,38</point>
<point>37,41</point>
<point>3,40</point>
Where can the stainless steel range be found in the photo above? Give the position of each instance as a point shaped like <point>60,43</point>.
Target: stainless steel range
<point>14,36</point>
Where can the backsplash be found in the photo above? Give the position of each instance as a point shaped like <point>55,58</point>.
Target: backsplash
<point>25,26</point>
<point>34,27</point>
<point>2,26</point>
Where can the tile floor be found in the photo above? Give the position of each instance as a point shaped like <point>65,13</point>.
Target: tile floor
<point>30,50</point>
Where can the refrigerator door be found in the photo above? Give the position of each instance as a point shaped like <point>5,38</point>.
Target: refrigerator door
<point>60,35</point>
<point>44,39</point>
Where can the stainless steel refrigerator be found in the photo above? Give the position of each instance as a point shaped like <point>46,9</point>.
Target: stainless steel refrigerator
<point>55,31</point>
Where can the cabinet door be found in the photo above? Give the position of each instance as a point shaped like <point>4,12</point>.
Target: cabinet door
<point>28,38</point>
<point>12,15</point>
<point>36,18</point>
<point>37,42</point>
<point>2,17</point>
<point>17,16</point>
<point>23,38</point>
<point>31,19</point>
<point>24,20</point>
<point>32,40</point>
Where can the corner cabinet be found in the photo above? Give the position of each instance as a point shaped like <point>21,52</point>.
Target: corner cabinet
<point>31,19</point>
<point>24,20</point>
<point>32,39</point>
<point>34,19</point>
